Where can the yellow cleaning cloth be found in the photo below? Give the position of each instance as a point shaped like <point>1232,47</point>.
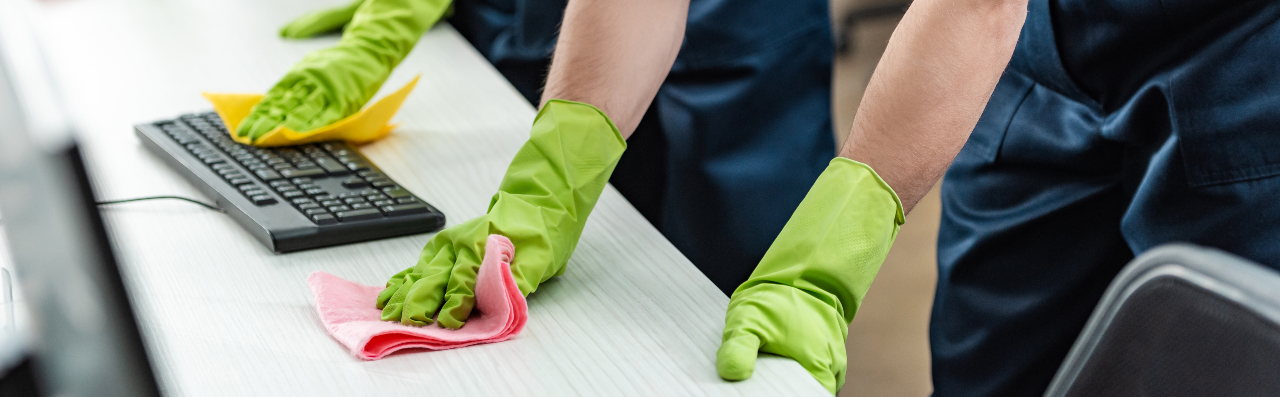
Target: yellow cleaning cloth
<point>367,125</point>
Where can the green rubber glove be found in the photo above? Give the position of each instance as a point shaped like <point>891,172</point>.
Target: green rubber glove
<point>331,84</point>
<point>799,301</point>
<point>319,22</point>
<point>541,206</point>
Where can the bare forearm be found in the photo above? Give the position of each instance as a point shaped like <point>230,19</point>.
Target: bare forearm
<point>615,54</point>
<point>929,89</point>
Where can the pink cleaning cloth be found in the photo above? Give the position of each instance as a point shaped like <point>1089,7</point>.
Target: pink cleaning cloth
<point>349,314</point>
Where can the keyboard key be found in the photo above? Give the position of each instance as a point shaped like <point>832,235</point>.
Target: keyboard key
<point>307,206</point>
<point>330,203</point>
<point>248,187</point>
<point>314,192</point>
<point>331,166</point>
<point>324,219</point>
<point>384,184</point>
<point>262,199</point>
<point>357,166</point>
<point>338,208</point>
<point>406,200</point>
<point>360,206</point>
<point>285,188</point>
<point>307,186</point>
<point>240,181</point>
<point>314,211</point>
<point>233,175</point>
<point>383,203</point>
<point>301,201</point>
<point>301,181</point>
<point>213,160</point>
<point>344,195</point>
<point>324,197</point>
<point>255,192</point>
<point>267,175</point>
<point>359,215</point>
<point>353,200</point>
<point>398,193</point>
<point>374,197</point>
<point>302,172</point>
<point>280,183</point>
<point>404,209</point>
<point>281,166</point>
<point>367,192</point>
<point>292,194</point>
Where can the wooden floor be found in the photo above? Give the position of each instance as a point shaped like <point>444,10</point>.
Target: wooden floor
<point>888,341</point>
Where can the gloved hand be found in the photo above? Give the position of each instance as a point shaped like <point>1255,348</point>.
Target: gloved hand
<point>320,21</point>
<point>799,301</point>
<point>541,206</point>
<point>331,84</point>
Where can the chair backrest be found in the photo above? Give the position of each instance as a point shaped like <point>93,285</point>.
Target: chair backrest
<point>1180,320</point>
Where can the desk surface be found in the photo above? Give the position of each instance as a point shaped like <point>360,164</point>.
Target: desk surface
<point>225,316</point>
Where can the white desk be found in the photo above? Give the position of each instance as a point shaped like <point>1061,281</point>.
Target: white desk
<point>224,316</point>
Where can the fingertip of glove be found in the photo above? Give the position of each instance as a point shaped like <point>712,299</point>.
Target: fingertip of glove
<point>828,381</point>
<point>450,323</point>
<point>384,297</point>
<point>391,312</point>
<point>456,310</point>
<point>736,359</point>
<point>415,323</point>
<point>291,33</point>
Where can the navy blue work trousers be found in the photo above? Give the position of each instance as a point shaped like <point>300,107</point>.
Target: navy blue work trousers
<point>1118,126</point>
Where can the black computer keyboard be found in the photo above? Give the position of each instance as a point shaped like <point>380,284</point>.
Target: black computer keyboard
<point>290,198</point>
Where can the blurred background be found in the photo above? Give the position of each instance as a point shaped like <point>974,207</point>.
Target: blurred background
<point>888,341</point>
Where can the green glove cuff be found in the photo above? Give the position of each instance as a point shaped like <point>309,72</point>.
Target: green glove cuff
<point>834,243</point>
<point>552,185</point>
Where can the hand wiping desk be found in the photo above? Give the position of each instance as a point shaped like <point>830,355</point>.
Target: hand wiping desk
<point>347,311</point>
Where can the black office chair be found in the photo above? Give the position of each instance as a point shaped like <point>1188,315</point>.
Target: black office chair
<point>1180,320</point>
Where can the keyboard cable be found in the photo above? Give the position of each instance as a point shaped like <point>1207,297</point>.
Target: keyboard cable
<point>122,201</point>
